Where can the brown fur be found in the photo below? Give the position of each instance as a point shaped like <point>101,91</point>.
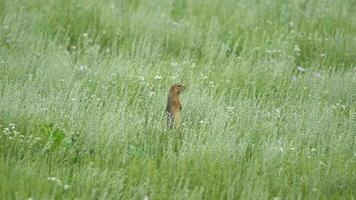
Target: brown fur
<point>174,106</point>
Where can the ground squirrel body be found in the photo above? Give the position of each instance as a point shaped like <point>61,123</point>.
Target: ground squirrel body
<point>174,106</point>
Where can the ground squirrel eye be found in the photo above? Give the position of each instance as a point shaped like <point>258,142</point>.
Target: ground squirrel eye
<point>179,85</point>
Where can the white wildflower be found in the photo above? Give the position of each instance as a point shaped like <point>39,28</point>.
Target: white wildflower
<point>55,180</point>
<point>174,64</point>
<point>296,48</point>
<point>85,35</point>
<point>66,186</point>
<point>301,69</point>
<point>316,74</point>
<point>294,78</point>
<point>175,23</point>
<point>230,107</point>
<point>157,77</point>
<point>83,68</point>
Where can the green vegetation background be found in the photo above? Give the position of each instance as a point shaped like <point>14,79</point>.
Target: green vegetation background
<point>269,110</point>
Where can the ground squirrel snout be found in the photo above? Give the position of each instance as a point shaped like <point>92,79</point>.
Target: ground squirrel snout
<point>174,106</point>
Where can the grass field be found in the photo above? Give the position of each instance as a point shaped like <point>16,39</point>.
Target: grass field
<point>269,111</point>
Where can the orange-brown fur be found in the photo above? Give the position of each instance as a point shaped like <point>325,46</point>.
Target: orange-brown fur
<point>174,106</point>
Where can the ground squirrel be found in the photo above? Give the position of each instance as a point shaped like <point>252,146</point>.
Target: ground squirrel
<point>173,106</point>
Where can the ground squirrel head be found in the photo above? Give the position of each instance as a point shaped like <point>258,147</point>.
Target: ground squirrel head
<point>177,88</point>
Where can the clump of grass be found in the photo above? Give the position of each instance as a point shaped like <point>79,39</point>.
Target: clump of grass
<point>268,112</point>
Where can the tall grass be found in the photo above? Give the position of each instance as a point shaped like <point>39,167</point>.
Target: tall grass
<point>269,110</point>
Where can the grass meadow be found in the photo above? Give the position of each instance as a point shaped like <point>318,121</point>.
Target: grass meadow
<point>269,111</point>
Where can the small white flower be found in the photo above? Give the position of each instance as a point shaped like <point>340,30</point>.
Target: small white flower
<point>313,149</point>
<point>66,186</point>
<point>145,198</point>
<point>230,107</point>
<point>55,180</point>
<point>301,69</point>
<point>83,68</point>
<point>296,48</point>
<point>51,178</point>
<point>174,23</point>
<point>85,35</point>
<point>174,64</point>
<point>292,148</point>
<point>281,149</point>
<point>317,74</point>
<point>201,122</point>
<point>157,77</point>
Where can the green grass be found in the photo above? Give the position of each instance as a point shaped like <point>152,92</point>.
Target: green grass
<point>82,105</point>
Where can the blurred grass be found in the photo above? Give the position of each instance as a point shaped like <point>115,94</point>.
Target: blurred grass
<point>81,105</point>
